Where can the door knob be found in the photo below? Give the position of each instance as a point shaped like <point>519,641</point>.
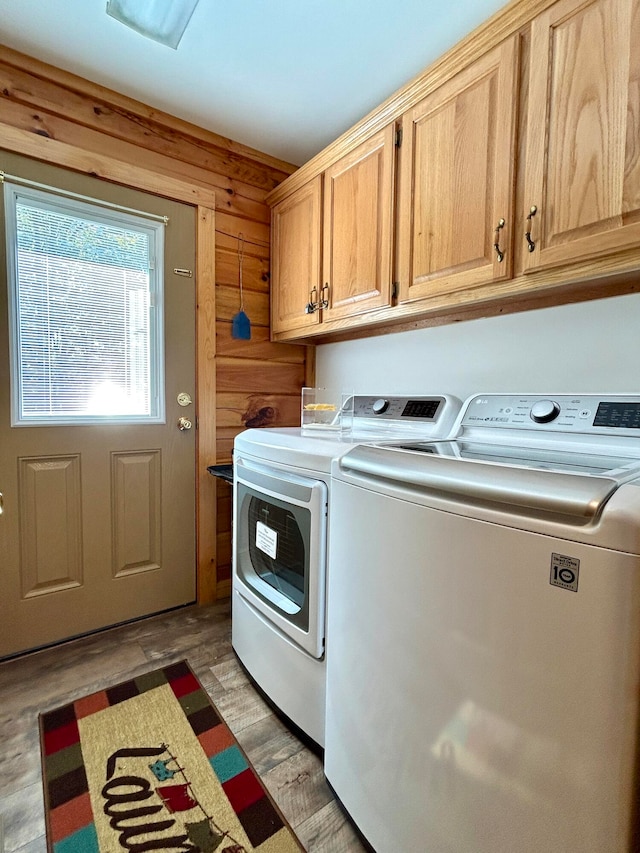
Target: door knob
<point>184,423</point>
<point>1,504</point>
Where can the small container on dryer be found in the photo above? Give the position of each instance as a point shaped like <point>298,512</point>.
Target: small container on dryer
<point>326,409</point>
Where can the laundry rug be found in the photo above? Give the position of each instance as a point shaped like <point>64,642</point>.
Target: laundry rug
<point>150,765</point>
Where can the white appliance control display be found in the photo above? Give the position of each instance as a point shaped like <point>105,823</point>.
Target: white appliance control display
<point>587,413</point>
<point>425,409</point>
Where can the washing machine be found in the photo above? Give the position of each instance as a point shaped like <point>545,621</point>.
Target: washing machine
<point>483,663</point>
<point>281,534</point>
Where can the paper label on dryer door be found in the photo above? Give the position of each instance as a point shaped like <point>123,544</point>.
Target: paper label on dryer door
<point>266,539</point>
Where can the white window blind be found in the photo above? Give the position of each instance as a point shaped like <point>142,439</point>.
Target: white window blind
<point>85,295</point>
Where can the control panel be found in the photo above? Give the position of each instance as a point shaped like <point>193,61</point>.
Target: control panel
<point>398,408</point>
<point>585,413</point>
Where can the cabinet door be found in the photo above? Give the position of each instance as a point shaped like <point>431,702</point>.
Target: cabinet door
<point>456,180</point>
<point>358,218</point>
<point>295,258</point>
<point>583,132</point>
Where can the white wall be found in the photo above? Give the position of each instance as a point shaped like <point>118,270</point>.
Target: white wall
<point>591,346</point>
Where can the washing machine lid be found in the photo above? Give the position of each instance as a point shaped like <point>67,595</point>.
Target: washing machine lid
<point>560,454</point>
<point>555,483</point>
<point>290,446</point>
<point>539,458</point>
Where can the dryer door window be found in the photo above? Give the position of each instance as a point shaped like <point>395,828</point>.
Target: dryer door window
<point>276,547</point>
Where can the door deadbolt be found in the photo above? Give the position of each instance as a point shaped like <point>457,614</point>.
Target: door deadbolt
<point>183,399</point>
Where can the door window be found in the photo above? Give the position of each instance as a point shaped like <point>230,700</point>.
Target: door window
<point>85,297</point>
<point>284,567</point>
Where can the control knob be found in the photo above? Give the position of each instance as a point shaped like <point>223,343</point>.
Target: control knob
<point>544,411</point>
<point>381,405</point>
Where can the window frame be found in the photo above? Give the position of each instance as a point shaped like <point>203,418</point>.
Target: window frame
<point>95,211</point>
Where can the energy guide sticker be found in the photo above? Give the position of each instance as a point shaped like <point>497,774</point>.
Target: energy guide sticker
<point>266,539</point>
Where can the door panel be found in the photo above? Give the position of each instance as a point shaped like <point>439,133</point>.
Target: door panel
<point>137,511</point>
<point>296,226</point>
<point>583,158</point>
<point>358,216</point>
<point>457,179</point>
<point>50,513</point>
<point>99,520</point>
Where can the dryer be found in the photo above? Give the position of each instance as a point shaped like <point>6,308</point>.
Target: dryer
<point>483,655</point>
<point>281,534</point>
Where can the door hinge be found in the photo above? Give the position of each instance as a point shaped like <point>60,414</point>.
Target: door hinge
<point>398,137</point>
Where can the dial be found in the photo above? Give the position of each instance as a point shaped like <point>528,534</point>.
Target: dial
<point>381,405</point>
<point>544,411</point>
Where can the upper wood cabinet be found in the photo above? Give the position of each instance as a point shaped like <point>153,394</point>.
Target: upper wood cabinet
<point>296,246</point>
<point>358,218</point>
<point>583,132</point>
<point>456,184</point>
<point>332,240</point>
<point>517,179</point>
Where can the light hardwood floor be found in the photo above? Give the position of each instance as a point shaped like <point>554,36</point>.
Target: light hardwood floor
<point>201,635</point>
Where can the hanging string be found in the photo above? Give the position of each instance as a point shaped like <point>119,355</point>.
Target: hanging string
<point>240,323</point>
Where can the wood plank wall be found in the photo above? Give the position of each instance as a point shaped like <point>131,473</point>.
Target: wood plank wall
<point>52,115</point>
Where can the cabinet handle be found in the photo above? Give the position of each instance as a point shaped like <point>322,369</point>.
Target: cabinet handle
<point>324,301</point>
<point>312,305</point>
<point>527,234</point>
<point>496,241</point>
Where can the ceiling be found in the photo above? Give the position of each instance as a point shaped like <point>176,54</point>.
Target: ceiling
<point>286,77</point>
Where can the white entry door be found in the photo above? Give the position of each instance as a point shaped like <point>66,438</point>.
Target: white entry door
<point>97,367</point>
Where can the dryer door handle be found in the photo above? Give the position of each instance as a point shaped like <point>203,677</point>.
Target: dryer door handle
<point>576,496</point>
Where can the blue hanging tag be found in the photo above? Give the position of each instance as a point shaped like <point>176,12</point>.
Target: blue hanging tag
<point>241,327</point>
